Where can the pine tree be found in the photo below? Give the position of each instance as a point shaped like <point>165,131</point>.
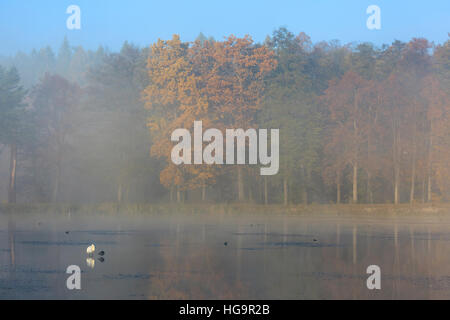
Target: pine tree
<point>12,112</point>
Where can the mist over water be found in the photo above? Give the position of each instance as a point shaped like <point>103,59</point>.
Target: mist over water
<point>229,165</point>
<point>224,257</point>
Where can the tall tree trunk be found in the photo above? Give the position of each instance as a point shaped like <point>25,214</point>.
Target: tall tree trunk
<point>396,185</point>
<point>266,193</point>
<point>395,159</point>
<point>369,188</point>
<point>355,164</point>
<point>369,145</point>
<point>355,182</point>
<point>423,191</point>
<point>285,190</point>
<point>413,181</point>
<point>413,169</point>
<point>369,156</point>
<point>240,182</point>
<point>304,195</point>
<point>338,187</point>
<point>178,195</point>
<point>58,175</point>
<point>430,171</point>
<point>12,174</point>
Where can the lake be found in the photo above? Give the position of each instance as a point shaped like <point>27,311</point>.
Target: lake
<point>225,256</point>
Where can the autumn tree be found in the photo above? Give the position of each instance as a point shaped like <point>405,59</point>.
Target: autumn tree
<point>344,99</point>
<point>334,160</point>
<point>174,101</point>
<point>236,85</point>
<point>224,90</point>
<point>438,138</point>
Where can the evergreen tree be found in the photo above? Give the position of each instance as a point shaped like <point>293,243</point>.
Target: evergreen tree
<point>12,111</point>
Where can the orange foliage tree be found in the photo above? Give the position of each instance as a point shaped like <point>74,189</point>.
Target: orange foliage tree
<point>219,83</point>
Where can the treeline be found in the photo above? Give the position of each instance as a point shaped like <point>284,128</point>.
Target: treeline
<point>70,62</point>
<point>358,124</point>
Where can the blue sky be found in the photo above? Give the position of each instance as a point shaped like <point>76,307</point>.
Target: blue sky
<point>27,24</point>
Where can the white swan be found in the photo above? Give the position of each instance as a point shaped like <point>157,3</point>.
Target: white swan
<point>90,249</point>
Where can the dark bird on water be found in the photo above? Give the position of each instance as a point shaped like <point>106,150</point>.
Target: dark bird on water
<point>315,240</point>
<point>67,232</point>
<point>225,244</point>
<point>101,259</point>
<point>101,253</point>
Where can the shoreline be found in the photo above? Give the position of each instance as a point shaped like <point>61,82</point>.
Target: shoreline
<point>341,210</point>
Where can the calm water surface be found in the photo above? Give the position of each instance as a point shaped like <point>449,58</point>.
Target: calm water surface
<point>223,257</point>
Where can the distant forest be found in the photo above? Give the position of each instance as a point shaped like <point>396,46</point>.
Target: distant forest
<point>358,123</point>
